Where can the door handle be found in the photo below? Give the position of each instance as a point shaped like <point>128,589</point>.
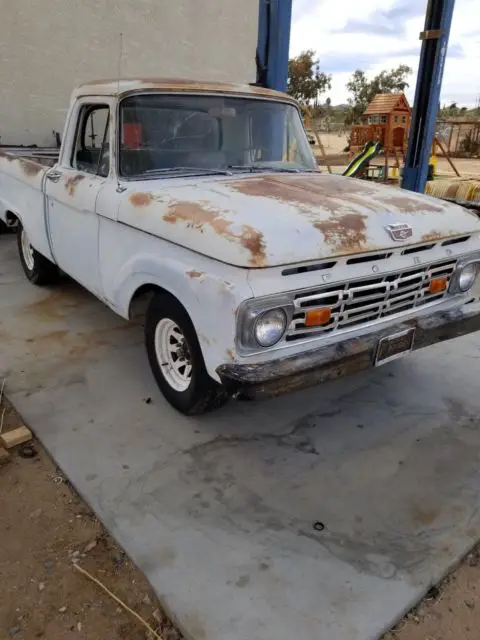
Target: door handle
<point>54,176</point>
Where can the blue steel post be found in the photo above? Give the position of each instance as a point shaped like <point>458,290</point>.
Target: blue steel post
<point>438,21</point>
<point>274,23</point>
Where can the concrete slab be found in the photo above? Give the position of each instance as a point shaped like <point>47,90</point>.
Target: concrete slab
<point>220,512</point>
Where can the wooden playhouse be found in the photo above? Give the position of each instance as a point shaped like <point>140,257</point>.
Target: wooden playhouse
<point>387,120</point>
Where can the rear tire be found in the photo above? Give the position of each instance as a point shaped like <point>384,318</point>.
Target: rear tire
<point>37,268</point>
<point>176,359</point>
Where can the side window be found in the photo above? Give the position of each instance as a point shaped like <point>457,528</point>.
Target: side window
<point>91,151</point>
<point>383,120</point>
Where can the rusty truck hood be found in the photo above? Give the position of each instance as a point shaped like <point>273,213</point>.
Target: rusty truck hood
<point>266,220</point>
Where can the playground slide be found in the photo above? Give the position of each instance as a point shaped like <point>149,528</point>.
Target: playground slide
<point>361,160</point>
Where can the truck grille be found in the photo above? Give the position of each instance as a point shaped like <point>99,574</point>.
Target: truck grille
<point>368,300</point>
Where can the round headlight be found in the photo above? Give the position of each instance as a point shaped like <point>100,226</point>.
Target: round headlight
<point>270,327</point>
<point>467,277</point>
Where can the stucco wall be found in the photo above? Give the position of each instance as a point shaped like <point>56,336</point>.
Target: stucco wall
<point>48,46</point>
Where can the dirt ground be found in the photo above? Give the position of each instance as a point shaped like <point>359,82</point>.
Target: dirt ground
<point>44,529</point>
<point>450,611</point>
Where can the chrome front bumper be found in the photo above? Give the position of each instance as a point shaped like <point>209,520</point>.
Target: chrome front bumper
<point>315,366</point>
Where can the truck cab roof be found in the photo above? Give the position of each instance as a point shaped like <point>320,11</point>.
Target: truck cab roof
<point>125,86</point>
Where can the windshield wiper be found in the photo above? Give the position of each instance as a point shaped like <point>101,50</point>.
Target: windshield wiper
<point>200,170</point>
<point>261,167</point>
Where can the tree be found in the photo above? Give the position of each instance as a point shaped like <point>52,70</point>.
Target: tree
<point>364,90</point>
<point>452,110</point>
<point>328,112</point>
<point>305,80</point>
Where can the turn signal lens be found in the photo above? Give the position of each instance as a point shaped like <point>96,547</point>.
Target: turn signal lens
<point>437,285</point>
<point>318,317</point>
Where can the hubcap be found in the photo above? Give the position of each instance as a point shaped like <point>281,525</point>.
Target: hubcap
<point>173,354</point>
<point>27,251</point>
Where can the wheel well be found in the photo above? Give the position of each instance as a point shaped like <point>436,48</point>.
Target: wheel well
<point>141,298</point>
<point>10,218</point>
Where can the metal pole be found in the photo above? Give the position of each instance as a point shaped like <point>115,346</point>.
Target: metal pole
<point>274,23</point>
<point>438,21</point>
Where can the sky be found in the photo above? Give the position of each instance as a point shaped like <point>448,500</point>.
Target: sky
<point>380,34</point>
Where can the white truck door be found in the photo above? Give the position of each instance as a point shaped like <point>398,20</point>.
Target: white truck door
<point>72,189</point>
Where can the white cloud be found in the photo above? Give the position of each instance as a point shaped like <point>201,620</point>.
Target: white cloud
<point>351,34</point>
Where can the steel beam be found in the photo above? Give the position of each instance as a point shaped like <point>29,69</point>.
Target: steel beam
<point>434,38</point>
<point>274,23</point>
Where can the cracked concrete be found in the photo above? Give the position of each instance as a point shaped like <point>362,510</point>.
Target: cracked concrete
<point>324,514</point>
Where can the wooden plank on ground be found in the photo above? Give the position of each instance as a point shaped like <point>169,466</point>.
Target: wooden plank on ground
<point>20,435</point>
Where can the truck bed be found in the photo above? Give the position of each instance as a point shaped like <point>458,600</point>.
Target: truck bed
<point>22,179</point>
<point>35,156</point>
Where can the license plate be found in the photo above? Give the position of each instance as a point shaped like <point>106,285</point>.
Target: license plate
<point>394,346</point>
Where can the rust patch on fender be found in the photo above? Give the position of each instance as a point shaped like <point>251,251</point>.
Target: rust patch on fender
<point>195,274</point>
<point>255,243</point>
<point>140,199</point>
<point>196,216</point>
<point>230,355</point>
<point>345,234</point>
<point>29,168</point>
<point>72,182</point>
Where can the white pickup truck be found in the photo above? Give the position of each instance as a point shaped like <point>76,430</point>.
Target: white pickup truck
<point>265,275</point>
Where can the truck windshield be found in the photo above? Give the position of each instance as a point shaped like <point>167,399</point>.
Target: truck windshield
<point>179,134</point>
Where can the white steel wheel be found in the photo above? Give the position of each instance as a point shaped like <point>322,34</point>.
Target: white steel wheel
<point>36,267</point>
<point>27,250</point>
<point>173,355</point>
<point>176,358</point>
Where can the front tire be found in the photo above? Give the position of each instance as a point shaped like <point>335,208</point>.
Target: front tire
<point>176,358</point>
<point>37,268</point>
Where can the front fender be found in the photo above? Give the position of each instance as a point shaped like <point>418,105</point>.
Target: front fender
<point>209,291</point>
